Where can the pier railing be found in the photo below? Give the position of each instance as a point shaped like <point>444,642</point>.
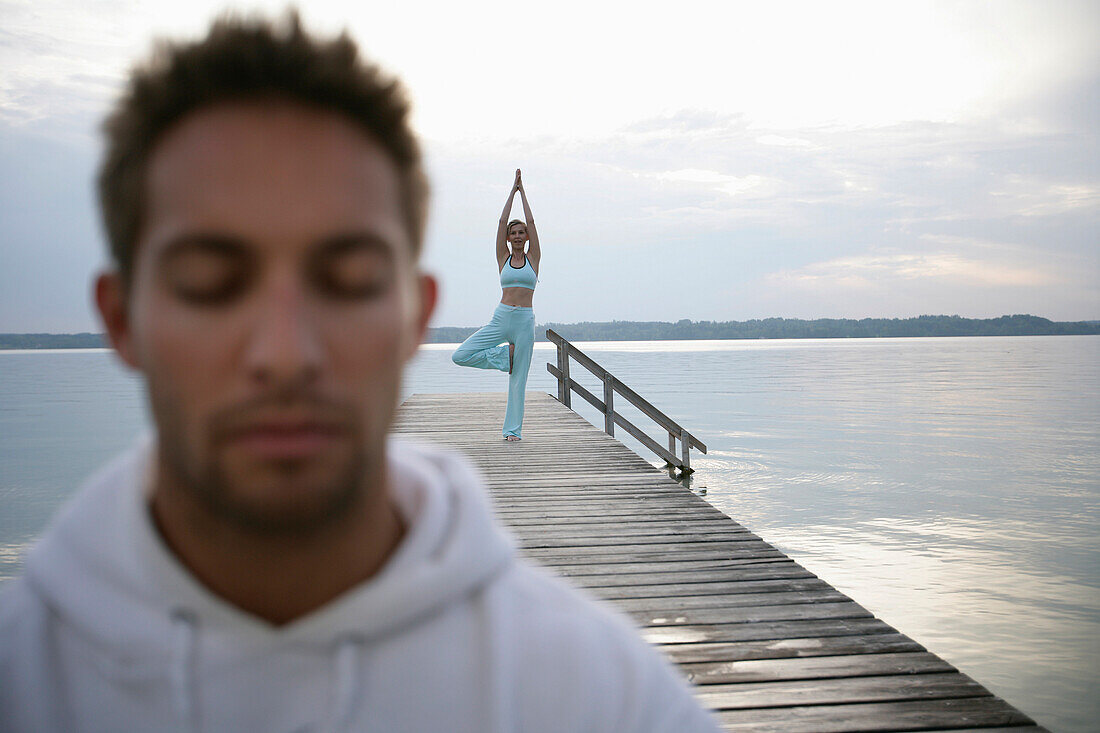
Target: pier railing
<point>612,386</point>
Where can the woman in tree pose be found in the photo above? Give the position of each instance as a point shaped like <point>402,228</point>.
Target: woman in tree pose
<point>507,341</point>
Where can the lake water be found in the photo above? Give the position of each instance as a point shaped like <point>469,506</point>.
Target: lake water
<point>951,486</point>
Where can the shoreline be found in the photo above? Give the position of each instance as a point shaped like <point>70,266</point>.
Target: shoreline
<point>543,342</point>
<point>622,331</point>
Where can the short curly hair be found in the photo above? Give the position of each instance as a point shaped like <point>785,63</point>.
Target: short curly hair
<point>249,59</point>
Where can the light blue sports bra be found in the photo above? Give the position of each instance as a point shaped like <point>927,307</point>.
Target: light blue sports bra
<point>518,277</point>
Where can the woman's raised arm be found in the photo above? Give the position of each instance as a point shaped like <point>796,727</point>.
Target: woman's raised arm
<point>503,251</point>
<point>534,252</point>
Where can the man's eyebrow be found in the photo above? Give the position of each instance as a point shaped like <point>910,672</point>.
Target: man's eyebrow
<point>216,244</point>
<point>356,242</point>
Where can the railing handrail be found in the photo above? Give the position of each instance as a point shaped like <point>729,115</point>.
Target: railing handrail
<point>611,386</point>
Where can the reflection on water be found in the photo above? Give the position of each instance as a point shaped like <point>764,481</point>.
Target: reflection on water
<point>62,413</point>
<point>951,486</point>
<point>978,593</point>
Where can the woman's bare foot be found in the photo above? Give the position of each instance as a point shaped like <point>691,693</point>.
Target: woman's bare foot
<point>511,438</point>
<point>511,358</point>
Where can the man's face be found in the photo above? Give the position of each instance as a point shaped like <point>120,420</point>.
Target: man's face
<point>274,303</point>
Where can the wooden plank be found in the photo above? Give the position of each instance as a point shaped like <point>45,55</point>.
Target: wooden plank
<point>632,500</point>
<point>700,571</point>
<point>580,485</point>
<point>909,715</point>
<point>825,646</point>
<point>549,546</point>
<point>664,606</point>
<point>651,551</point>
<point>773,631</point>
<point>650,530</point>
<point>627,502</point>
<point>596,521</point>
<point>680,520</point>
<point>674,589</point>
<point>680,512</point>
<point>751,550</point>
<point>815,668</point>
<point>549,488</point>
<point>1013,729</point>
<point>599,511</point>
<point>834,691</point>
<point>647,538</point>
<point>753,614</point>
<point>769,646</point>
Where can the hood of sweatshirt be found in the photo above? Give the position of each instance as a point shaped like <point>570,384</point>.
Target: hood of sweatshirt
<point>104,570</point>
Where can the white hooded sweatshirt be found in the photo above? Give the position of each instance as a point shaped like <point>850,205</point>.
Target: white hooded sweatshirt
<point>107,631</point>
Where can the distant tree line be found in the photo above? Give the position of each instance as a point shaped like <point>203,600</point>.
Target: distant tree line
<point>685,330</point>
<point>52,341</point>
<point>793,328</point>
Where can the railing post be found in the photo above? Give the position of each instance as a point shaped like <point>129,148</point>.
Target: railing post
<point>563,381</point>
<point>685,451</point>
<point>609,405</point>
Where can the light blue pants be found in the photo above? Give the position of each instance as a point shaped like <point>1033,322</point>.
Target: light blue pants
<point>488,349</point>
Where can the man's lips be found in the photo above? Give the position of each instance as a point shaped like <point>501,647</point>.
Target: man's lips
<point>283,440</point>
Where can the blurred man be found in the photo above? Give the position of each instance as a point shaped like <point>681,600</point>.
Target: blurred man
<point>270,561</point>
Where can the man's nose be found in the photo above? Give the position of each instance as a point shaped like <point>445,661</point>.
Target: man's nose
<point>284,347</point>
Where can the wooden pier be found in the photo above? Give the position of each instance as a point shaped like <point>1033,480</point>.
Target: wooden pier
<point>768,645</point>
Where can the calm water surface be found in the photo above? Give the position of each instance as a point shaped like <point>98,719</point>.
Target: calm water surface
<point>951,486</point>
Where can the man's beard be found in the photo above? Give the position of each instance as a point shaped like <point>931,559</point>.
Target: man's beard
<point>206,473</point>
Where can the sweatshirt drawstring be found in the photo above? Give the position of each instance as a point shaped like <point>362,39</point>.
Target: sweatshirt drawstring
<point>184,634</point>
<point>347,669</point>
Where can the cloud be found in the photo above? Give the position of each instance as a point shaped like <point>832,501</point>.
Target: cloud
<point>1025,196</point>
<point>781,141</point>
<point>882,271</point>
<point>732,185</point>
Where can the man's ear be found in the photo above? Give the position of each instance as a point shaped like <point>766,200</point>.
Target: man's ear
<point>111,301</point>
<point>429,295</point>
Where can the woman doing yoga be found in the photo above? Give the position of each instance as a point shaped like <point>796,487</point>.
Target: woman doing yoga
<point>507,341</point>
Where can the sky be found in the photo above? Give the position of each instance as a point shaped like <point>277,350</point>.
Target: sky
<point>710,160</point>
